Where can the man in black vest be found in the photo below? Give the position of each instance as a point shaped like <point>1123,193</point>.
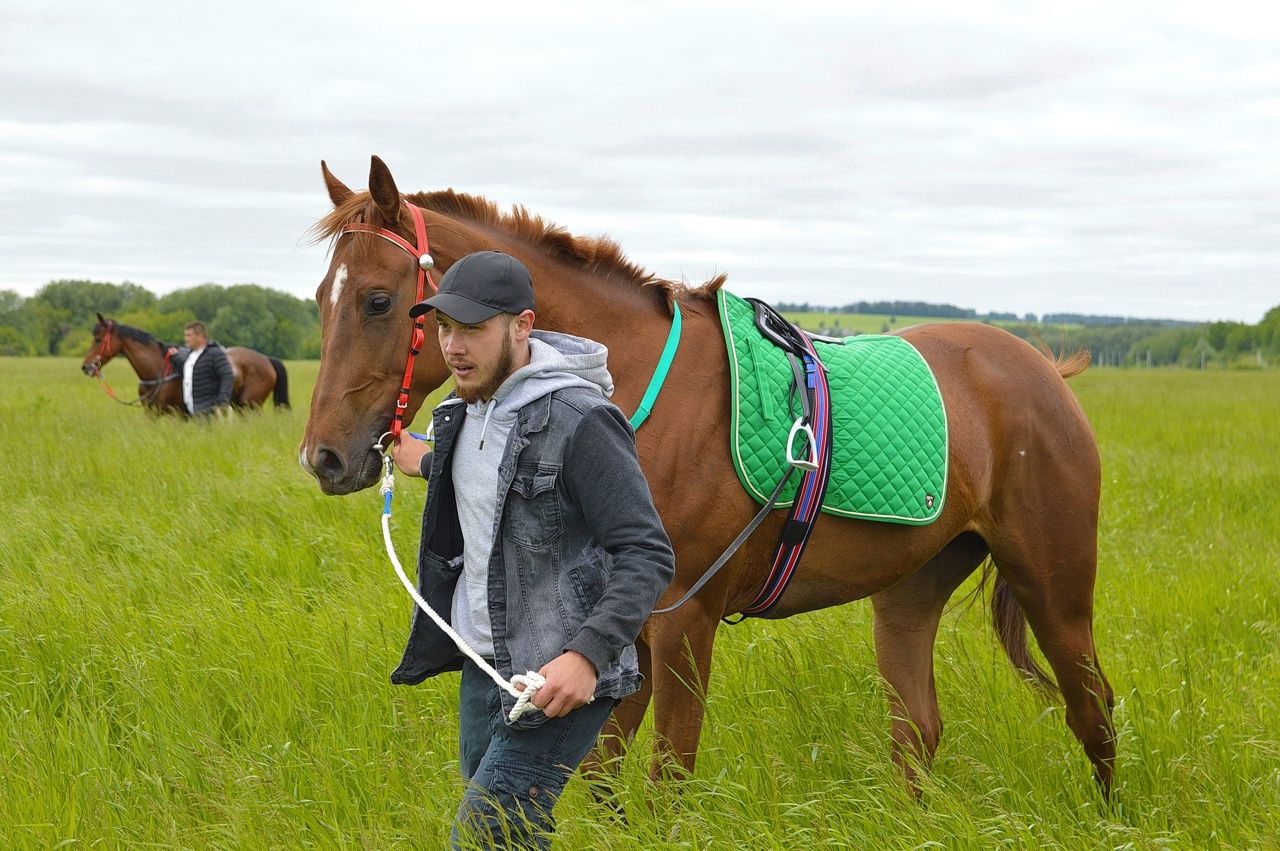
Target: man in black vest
<point>207,377</point>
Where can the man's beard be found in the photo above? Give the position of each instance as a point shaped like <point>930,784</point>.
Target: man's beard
<point>506,359</point>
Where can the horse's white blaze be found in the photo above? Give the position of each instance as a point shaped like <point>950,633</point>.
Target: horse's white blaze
<point>339,278</point>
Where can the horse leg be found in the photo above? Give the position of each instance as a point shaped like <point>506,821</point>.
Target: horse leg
<point>1050,572</point>
<point>906,624</point>
<point>602,764</point>
<point>681,668</point>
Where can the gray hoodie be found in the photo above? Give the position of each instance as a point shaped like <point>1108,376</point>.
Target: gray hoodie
<point>556,361</point>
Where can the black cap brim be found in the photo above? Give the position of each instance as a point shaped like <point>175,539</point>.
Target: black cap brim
<point>456,307</point>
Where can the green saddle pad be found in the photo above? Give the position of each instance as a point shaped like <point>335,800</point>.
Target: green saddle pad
<point>889,429</point>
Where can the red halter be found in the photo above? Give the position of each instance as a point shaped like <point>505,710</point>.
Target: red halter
<point>104,346</point>
<point>420,253</point>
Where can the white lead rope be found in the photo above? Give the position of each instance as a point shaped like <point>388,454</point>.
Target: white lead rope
<point>530,680</point>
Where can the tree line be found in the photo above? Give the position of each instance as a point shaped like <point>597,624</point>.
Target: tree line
<point>892,308</point>
<point>1111,340</point>
<point>59,318</point>
<point>951,311</point>
<point>1231,345</point>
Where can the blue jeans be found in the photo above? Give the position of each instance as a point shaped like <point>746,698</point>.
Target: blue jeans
<point>515,776</point>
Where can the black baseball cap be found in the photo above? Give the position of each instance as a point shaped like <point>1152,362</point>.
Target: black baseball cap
<point>480,286</point>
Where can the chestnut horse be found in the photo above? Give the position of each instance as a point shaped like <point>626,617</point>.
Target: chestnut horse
<point>1023,485</point>
<point>256,376</point>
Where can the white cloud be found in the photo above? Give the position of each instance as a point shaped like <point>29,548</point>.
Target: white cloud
<point>1078,157</point>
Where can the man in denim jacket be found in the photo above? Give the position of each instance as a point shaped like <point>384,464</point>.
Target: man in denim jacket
<point>540,540</point>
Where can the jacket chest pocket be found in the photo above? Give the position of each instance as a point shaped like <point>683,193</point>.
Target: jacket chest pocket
<point>533,509</point>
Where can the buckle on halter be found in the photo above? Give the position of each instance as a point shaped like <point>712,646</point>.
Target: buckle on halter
<point>810,463</point>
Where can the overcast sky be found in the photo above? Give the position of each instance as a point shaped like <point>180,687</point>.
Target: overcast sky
<point>1022,157</point>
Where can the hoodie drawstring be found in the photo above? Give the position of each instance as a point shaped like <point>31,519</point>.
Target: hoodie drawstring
<point>485,427</point>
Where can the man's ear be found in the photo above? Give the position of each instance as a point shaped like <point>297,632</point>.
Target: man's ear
<point>523,323</point>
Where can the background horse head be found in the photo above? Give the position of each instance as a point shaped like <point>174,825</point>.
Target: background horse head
<point>1022,489</point>
<point>108,342</point>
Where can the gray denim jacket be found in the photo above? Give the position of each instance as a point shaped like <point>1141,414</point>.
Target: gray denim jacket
<point>580,557</point>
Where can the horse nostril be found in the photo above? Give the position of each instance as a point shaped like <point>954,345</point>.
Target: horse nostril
<point>329,463</point>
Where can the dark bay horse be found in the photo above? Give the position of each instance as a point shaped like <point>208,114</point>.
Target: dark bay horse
<point>256,376</point>
<point>1023,485</point>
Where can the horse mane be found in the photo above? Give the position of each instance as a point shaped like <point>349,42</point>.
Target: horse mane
<point>598,255</point>
<point>136,334</point>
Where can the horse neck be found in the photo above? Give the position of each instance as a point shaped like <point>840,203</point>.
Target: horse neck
<point>692,407</point>
<point>146,359</point>
<point>625,316</point>
<point>629,320</point>
<point>634,324</point>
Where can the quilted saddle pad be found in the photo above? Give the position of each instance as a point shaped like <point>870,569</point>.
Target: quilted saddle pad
<point>889,429</point>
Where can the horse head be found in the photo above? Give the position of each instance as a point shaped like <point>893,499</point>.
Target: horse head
<point>583,286</point>
<point>365,329</point>
<point>106,345</point>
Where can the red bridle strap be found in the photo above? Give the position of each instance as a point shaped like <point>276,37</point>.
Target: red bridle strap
<point>105,344</point>
<point>102,352</point>
<point>421,254</point>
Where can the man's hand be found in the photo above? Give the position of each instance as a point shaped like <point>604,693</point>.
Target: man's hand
<point>571,682</point>
<point>408,453</point>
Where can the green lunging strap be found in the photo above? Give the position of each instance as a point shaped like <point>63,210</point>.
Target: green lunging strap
<point>659,374</point>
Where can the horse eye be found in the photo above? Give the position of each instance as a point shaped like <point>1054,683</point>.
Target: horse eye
<point>378,304</point>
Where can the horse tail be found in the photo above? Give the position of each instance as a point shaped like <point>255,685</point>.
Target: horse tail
<point>280,395</point>
<point>1011,626</point>
<point>1069,366</point>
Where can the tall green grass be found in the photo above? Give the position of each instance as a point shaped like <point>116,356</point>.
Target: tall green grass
<point>194,649</point>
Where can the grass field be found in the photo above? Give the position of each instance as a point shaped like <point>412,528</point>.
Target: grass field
<point>194,649</point>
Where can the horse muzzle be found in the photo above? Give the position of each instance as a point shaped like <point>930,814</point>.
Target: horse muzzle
<point>341,473</point>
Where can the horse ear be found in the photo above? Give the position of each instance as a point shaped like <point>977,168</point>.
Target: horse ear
<point>382,186</point>
<point>101,318</point>
<point>338,191</point>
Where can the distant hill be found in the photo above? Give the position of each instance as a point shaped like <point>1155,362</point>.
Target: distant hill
<point>951,311</point>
